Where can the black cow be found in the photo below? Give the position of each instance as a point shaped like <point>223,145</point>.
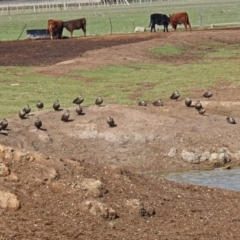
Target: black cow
<point>159,19</point>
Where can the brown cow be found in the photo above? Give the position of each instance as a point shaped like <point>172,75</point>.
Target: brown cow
<point>55,28</point>
<point>76,24</point>
<point>180,18</point>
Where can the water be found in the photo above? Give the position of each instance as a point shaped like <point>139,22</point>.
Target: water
<point>220,178</point>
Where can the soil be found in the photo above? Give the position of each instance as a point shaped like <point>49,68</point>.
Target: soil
<point>82,179</point>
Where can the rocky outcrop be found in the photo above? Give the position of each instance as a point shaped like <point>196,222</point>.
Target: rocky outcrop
<point>217,159</point>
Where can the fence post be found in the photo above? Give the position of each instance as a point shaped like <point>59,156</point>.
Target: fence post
<point>22,31</point>
<point>201,18</point>
<point>110,25</point>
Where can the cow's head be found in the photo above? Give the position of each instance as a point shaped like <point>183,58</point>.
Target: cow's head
<point>172,23</point>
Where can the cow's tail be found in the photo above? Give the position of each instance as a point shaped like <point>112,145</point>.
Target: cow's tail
<point>150,22</point>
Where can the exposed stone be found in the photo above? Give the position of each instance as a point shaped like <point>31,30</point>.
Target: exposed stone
<point>237,155</point>
<point>23,156</point>
<point>205,156</point>
<point>223,150</point>
<point>99,209</point>
<point>6,153</point>
<point>53,174</point>
<point>93,187</point>
<point>173,152</point>
<point>213,158</point>
<point>219,159</point>
<point>140,29</point>
<point>133,205</point>
<point>144,213</point>
<point>191,157</point>
<point>4,170</point>
<point>224,157</point>
<point>12,178</point>
<point>9,200</point>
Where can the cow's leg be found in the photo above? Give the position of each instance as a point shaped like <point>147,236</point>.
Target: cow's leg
<point>153,27</point>
<point>185,25</point>
<point>71,34</point>
<point>190,26</point>
<point>165,27</point>
<point>84,30</point>
<point>60,33</point>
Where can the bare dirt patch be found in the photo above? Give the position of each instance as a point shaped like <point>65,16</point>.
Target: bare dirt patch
<point>84,180</point>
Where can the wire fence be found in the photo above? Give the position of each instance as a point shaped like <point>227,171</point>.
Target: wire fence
<point>31,6</point>
<point>116,18</point>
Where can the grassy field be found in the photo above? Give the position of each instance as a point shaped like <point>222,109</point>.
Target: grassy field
<point>20,85</point>
<point>124,18</point>
<point>120,84</point>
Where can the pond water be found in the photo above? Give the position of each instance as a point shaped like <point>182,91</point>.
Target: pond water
<point>221,178</point>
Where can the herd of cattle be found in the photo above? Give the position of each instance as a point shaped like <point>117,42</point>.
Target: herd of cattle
<point>174,20</point>
<point>55,27</point>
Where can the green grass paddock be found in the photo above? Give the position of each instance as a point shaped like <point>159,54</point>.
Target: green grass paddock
<point>120,84</point>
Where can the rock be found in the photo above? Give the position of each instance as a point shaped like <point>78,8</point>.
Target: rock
<point>93,187</point>
<point>4,170</point>
<point>144,213</point>
<point>224,150</point>
<point>53,174</point>
<point>224,157</point>
<point>237,155</point>
<point>191,157</point>
<point>12,178</point>
<point>219,159</point>
<point>134,206</point>
<point>173,152</point>
<point>140,29</point>
<point>6,153</point>
<point>9,200</point>
<point>205,156</point>
<point>23,156</point>
<point>213,158</point>
<point>99,209</point>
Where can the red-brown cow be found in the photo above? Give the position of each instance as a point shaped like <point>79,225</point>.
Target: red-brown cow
<point>55,28</point>
<point>76,24</point>
<point>180,18</point>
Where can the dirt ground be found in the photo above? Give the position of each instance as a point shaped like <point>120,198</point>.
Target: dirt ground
<point>82,179</point>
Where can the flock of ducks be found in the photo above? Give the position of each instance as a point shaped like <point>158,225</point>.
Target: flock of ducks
<point>188,102</point>
<point>24,113</point>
